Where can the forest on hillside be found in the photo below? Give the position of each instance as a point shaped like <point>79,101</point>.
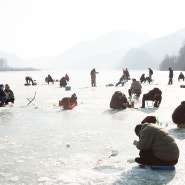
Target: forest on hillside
<point>176,62</point>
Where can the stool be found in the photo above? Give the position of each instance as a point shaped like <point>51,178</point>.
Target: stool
<point>151,104</point>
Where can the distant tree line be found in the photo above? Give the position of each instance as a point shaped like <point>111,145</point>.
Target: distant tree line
<point>4,67</point>
<point>3,63</point>
<point>175,62</point>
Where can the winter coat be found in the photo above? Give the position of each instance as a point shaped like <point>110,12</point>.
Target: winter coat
<point>116,102</point>
<point>9,94</point>
<point>150,71</point>
<point>178,115</point>
<point>154,93</point>
<point>170,73</point>
<point>155,138</point>
<point>135,86</point>
<point>2,93</point>
<point>63,82</point>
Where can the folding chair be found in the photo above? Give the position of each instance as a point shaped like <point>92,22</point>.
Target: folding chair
<point>149,103</point>
<point>31,99</point>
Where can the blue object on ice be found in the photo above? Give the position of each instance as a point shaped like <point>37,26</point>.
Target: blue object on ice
<point>67,88</point>
<point>162,167</point>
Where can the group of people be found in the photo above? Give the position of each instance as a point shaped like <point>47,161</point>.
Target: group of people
<point>154,95</point>
<point>157,147</point>
<point>6,95</point>
<point>63,81</point>
<point>148,79</point>
<point>124,78</point>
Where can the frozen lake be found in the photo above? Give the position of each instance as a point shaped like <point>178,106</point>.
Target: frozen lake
<point>42,144</point>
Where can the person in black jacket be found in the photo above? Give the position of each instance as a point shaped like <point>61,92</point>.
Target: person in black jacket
<point>150,73</point>
<point>170,82</point>
<point>2,95</point>
<point>178,116</point>
<point>181,76</point>
<point>153,95</point>
<point>63,82</point>
<point>142,78</point>
<point>119,101</point>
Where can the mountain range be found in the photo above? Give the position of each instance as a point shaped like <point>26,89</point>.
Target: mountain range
<point>115,50</point>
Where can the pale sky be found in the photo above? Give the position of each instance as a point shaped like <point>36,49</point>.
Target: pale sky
<point>33,28</point>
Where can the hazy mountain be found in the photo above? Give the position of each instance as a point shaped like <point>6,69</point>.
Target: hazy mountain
<point>104,52</point>
<point>117,49</point>
<point>152,53</point>
<point>138,59</point>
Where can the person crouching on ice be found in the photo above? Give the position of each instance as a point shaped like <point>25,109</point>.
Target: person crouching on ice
<point>154,95</point>
<point>119,101</point>
<point>157,147</point>
<point>178,115</point>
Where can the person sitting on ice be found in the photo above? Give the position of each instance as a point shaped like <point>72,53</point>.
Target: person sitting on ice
<point>122,81</point>
<point>29,80</point>
<point>49,79</point>
<point>178,115</point>
<point>9,94</point>
<point>142,78</point>
<point>135,88</point>
<point>68,101</point>
<point>154,95</point>
<point>2,95</point>
<point>157,147</point>
<point>181,76</point>
<point>119,101</point>
<point>63,82</point>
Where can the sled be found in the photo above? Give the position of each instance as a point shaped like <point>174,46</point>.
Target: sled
<point>182,86</point>
<point>169,168</point>
<point>70,107</point>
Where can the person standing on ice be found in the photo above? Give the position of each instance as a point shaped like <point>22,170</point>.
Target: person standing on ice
<point>178,115</point>
<point>157,147</point>
<point>170,82</point>
<point>150,73</point>
<point>127,74</point>
<point>93,77</point>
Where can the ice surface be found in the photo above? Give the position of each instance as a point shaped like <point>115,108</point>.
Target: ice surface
<point>43,144</point>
